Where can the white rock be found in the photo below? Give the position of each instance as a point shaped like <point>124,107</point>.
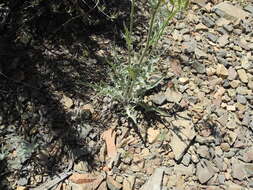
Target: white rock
<point>128,183</point>
<point>173,96</point>
<point>238,171</point>
<point>221,70</point>
<point>178,146</point>
<point>231,10</point>
<point>204,171</point>
<point>155,181</point>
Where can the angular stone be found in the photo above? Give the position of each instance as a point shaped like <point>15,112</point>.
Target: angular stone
<point>243,75</point>
<point>232,136</point>
<point>235,83</point>
<point>199,67</point>
<point>208,21</point>
<point>173,96</point>
<point>183,80</point>
<point>225,147</point>
<point>249,8</point>
<point>200,54</point>
<point>223,40</point>
<point>67,102</point>
<point>155,181</point>
<point>241,99</point>
<point>178,146</point>
<point>248,169</point>
<point>231,108</point>
<point>184,170</point>
<point>231,10</point>
<point>186,159</point>
<point>243,90</point>
<point>203,151</point>
<point>204,171</point>
<point>222,21</point>
<point>185,129</point>
<point>248,155</point>
<point>238,171</point>
<point>200,26</point>
<point>112,184</point>
<point>228,27</point>
<point>250,84</point>
<point>158,99</point>
<point>218,161</point>
<point>152,135</point>
<point>232,74</point>
<point>231,124</point>
<point>128,183</point>
<point>221,70</point>
<point>211,37</point>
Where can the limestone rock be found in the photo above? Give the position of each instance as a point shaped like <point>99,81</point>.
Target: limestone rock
<point>173,96</point>
<point>232,11</point>
<point>238,171</point>
<point>204,172</point>
<point>221,70</point>
<point>242,75</point>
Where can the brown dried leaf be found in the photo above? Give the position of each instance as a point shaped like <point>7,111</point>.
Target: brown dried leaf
<point>110,138</point>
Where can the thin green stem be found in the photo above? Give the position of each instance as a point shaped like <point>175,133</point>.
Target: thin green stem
<point>161,31</point>
<point>131,32</point>
<point>150,30</point>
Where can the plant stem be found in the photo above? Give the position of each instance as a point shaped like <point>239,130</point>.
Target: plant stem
<point>150,30</point>
<point>131,32</point>
<point>161,31</point>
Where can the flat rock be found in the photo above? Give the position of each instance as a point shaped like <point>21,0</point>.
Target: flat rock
<point>67,102</point>
<point>204,171</point>
<point>242,90</point>
<point>231,10</point>
<point>233,186</point>
<point>178,146</point>
<point>223,40</point>
<point>238,171</point>
<point>249,8</point>
<point>128,183</point>
<point>112,184</point>
<point>153,135</point>
<point>221,70</point>
<point>248,169</point>
<point>208,21</point>
<point>185,129</point>
<point>173,96</point>
<point>200,54</point>
<point>155,181</point>
<point>158,99</point>
<point>184,170</point>
<point>232,74</point>
<point>222,21</point>
<point>199,67</point>
<point>186,159</point>
<point>241,99</point>
<point>212,37</point>
<point>248,155</point>
<point>243,75</point>
<point>203,151</point>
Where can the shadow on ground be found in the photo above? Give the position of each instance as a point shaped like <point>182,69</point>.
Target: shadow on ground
<point>42,60</point>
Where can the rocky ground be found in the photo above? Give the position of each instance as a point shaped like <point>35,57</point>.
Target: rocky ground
<point>204,143</point>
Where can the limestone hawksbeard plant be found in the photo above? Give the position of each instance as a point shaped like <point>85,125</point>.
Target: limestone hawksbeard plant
<point>131,77</point>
